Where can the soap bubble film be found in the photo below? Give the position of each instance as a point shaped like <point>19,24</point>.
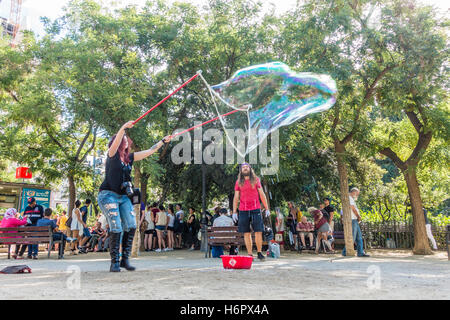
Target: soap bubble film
<point>270,96</point>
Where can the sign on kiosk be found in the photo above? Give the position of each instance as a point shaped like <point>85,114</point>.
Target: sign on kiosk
<point>42,197</point>
<point>23,173</point>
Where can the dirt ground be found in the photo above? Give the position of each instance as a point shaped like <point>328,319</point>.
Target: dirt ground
<point>188,275</point>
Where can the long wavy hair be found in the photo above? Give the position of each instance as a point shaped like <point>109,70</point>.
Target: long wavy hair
<point>123,151</point>
<point>253,177</point>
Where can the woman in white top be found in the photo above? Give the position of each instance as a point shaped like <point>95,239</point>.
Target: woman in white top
<point>170,228</point>
<point>76,225</point>
<point>150,231</point>
<point>161,221</point>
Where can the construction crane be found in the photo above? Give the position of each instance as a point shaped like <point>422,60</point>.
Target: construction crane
<point>14,18</point>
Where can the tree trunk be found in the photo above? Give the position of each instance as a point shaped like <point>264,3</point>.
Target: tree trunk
<point>165,190</point>
<point>137,210</point>
<point>95,206</point>
<point>144,184</point>
<point>230,200</point>
<point>408,168</point>
<point>72,194</point>
<point>343,179</point>
<point>421,245</point>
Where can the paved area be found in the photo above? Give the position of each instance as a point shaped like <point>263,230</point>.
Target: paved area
<point>188,275</point>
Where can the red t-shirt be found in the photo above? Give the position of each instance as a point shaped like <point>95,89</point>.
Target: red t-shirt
<point>319,222</point>
<point>248,196</point>
<point>304,226</point>
<point>155,211</point>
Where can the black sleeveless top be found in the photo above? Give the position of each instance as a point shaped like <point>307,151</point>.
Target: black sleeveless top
<point>113,174</point>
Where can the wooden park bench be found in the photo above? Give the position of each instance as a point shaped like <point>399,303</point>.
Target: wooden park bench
<point>221,236</point>
<point>29,235</point>
<point>339,239</point>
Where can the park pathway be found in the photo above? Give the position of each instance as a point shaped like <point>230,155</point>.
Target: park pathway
<point>188,275</point>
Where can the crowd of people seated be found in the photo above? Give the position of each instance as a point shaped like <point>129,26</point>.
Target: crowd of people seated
<point>313,234</point>
<point>164,228</point>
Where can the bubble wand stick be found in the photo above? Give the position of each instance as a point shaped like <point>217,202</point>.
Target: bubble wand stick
<point>206,122</point>
<point>159,103</point>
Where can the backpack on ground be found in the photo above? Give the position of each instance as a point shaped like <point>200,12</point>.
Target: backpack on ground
<point>16,269</point>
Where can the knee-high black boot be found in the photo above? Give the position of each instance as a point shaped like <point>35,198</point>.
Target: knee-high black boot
<point>127,243</point>
<point>114,246</point>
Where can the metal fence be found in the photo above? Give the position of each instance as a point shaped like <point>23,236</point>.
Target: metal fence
<point>395,234</point>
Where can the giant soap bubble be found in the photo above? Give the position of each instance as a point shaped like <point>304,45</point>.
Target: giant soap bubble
<point>269,96</point>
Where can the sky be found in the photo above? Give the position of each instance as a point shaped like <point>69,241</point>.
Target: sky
<point>33,9</point>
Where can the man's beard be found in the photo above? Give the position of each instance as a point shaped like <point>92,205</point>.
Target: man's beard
<point>246,174</point>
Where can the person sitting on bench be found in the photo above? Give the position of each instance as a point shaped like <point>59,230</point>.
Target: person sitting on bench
<point>305,228</point>
<point>222,221</point>
<point>57,235</point>
<point>11,219</point>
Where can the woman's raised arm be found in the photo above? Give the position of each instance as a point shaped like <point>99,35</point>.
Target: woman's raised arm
<point>144,154</point>
<point>118,139</point>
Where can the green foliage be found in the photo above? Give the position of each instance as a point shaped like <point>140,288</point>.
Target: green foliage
<point>99,67</point>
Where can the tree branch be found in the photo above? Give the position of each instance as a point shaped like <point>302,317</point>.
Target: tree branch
<point>422,145</point>
<point>369,94</point>
<point>14,96</point>
<point>83,142</point>
<point>415,121</point>
<point>47,130</point>
<point>335,122</point>
<point>394,157</point>
<point>92,145</point>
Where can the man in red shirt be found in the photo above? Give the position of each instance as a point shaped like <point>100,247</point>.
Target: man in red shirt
<point>247,192</point>
<point>306,228</point>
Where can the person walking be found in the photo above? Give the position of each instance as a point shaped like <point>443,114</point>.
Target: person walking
<point>428,229</point>
<point>356,219</point>
<point>76,227</point>
<point>247,193</point>
<point>86,234</point>
<point>113,199</point>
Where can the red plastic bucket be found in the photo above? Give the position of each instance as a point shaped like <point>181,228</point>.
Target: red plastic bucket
<point>236,262</point>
